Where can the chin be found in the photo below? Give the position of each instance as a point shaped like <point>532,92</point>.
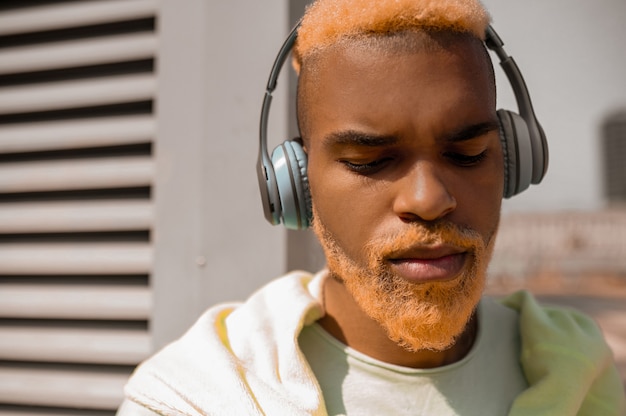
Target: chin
<point>419,316</point>
<point>416,316</point>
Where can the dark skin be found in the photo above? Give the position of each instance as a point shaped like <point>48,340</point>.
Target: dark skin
<point>395,137</point>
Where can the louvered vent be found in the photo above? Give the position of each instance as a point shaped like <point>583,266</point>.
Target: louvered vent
<point>76,129</point>
<point>615,158</point>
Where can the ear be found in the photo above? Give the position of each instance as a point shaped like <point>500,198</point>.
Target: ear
<point>301,143</point>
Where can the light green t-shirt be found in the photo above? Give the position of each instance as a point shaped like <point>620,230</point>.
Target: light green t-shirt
<point>484,383</point>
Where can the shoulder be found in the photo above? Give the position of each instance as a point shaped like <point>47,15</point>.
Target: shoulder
<point>229,345</point>
<point>554,330</point>
<point>554,324</point>
<point>564,354</point>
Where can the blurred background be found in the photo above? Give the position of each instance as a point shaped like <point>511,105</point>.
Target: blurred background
<point>128,193</point>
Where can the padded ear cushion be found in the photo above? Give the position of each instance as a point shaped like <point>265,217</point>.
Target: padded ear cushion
<point>540,153</point>
<point>302,184</point>
<point>290,165</point>
<point>517,151</point>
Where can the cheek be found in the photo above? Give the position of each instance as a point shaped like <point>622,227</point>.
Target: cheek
<point>348,210</point>
<point>479,202</point>
<point>334,202</point>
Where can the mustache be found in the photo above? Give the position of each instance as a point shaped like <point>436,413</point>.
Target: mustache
<point>425,235</point>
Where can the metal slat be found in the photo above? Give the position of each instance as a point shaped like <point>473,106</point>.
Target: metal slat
<point>64,388</point>
<point>78,53</point>
<point>75,94</point>
<point>74,14</point>
<point>38,380</point>
<point>63,301</point>
<point>72,134</point>
<point>75,259</point>
<point>59,175</point>
<point>81,216</point>
<point>75,345</point>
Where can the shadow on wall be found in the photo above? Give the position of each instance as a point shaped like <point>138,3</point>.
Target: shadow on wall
<point>613,150</point>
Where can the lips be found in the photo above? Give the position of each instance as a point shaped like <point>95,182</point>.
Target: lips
<point>429,264</point>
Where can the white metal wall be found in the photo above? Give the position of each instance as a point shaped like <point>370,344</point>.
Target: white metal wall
<point>211,242</point>
<point>76,169</point>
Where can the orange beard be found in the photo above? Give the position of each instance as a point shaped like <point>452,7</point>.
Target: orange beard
<point>416,316</point>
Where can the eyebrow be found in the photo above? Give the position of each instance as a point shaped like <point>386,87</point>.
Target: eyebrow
<point>473,131</point>
<point>358,138</point>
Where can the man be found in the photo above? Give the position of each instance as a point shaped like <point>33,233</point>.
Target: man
<point>396,108</point>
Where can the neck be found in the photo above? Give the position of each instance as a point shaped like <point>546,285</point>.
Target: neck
<point>346,321</point>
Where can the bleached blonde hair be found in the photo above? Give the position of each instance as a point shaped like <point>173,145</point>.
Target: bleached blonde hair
<point>327,21</point>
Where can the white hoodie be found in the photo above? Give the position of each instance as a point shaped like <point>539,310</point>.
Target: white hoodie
<point>244,359</point>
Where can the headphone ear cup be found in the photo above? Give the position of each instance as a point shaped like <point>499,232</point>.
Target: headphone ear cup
<point>517,151</point>
<point>290,165</point>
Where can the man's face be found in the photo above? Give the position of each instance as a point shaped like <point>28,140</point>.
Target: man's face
<point>406,177</point>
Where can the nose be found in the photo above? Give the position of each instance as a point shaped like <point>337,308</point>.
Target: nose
<point>422,194</point>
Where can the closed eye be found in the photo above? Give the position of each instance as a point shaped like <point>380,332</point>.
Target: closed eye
<point>366,168</point>
<point>464,160</point>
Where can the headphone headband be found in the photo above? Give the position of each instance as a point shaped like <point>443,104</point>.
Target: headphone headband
<point>265,171</point>
<point>524,104</point>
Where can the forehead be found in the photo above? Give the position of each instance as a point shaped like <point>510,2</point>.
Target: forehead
<point>411,76</point>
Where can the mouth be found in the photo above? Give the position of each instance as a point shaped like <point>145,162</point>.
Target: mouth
<point>429,264</point>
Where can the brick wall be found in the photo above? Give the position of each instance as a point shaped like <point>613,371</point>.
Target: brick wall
<point>568,244</point>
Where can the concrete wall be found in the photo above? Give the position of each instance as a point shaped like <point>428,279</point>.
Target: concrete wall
<point>211,241</point>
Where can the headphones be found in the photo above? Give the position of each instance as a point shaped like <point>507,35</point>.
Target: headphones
<point>283,180</point>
